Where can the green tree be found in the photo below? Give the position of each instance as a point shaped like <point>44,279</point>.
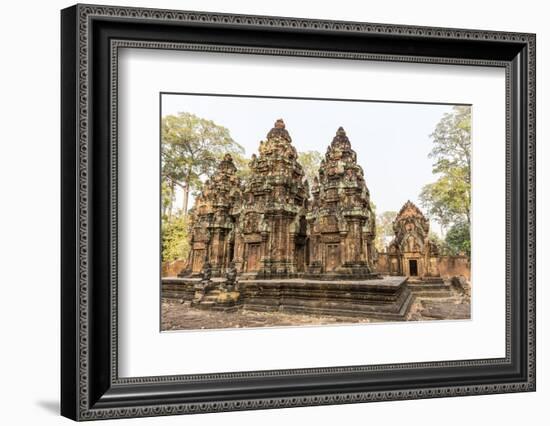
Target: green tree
<point>438,242</point>
<point>175,244</point>
<point>310,161</point>
<point>447,200</point>
<point>191,148</point>
<point>384,229</point>
<point>458,240</point>
<point>243,169</point>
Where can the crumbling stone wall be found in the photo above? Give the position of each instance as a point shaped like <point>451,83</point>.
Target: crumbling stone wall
<point>449,266</point>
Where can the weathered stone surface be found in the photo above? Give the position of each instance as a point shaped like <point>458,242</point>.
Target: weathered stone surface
<point>213,221</point>
<point>230,277</point>
<point>449,311</point>
<point>448,265</point>
<point>436,289</point>
<point>178,317</point>
<point>411,252</point>
<point>271,234</point>
<point>262,227</point>
<point>461,285</point>
<point>384,298</point>
<point>340,218</point>
<point>265,245</point>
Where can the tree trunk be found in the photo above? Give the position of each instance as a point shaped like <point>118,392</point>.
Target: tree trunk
<point>185,198</point>
<point>164,210</point>
<point>171,203</point>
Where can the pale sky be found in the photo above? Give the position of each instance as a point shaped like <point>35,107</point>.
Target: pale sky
<point>391,139</point>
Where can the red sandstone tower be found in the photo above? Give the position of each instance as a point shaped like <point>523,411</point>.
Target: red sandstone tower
<point>271,236</point>
<point>340,218</point>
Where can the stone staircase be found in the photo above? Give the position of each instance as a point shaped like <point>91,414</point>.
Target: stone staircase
<point>430,287</point>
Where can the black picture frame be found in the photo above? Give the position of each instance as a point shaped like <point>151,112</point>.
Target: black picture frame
<point>90,386</point>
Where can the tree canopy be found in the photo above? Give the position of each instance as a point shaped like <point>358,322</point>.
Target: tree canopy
<point>447,200</point>
<point>384,229</point>
<point>175,244</point>
<point>310,161</point>
<point>457,239</point>
<point>191,148</point>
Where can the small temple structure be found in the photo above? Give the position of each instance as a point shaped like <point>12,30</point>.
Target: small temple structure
<point>411,253</point>
<point>272,244</point>
<point>340,217</point>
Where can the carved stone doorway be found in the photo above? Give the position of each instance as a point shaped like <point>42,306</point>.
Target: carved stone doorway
<point>231,253</point>
<point>413,268</point>
<point>332,257</point>
<point>300,257</point>
<point>253,257</point>
<point>198,260</point>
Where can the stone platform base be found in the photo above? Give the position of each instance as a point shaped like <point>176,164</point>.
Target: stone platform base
<point>387,298</point>
<point>430,287</point>
<point>355,275</point>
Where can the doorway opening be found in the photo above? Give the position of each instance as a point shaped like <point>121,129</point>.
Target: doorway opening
<point>413,268</point>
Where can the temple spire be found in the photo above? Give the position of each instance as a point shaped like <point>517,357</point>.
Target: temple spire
<point>341,140</point>
<point>340,212</point>
<point>279,130</point>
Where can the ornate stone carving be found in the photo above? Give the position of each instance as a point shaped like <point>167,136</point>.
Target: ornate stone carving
<point>231,277</point>
<point>213,220</point>
<point>204,284</point>
<point>411,251</point>
<point>340,218</point>
<point>271,241</point>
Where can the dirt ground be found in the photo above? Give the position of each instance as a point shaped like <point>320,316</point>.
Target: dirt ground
<point>178,316</point>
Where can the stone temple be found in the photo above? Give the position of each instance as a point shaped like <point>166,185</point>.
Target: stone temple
<point>340,218</point>
<point>213,222</point>
<point>275,243</point>
<point>411,252</point>
<point>270,227</point>
<point>271,232</point>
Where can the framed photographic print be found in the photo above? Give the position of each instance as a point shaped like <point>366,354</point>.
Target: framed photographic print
<point>263,212</point>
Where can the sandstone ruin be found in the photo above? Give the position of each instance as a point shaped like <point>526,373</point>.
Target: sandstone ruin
<point>273,243</point>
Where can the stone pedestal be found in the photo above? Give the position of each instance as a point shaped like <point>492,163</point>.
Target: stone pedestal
<point>386,298</point>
